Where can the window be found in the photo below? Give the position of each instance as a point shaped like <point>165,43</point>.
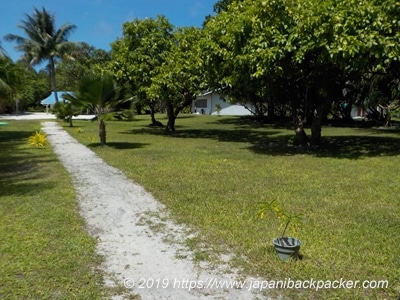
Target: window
<point>201,103</point>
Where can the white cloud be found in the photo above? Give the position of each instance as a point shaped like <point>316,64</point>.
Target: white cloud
<point>196,8</point>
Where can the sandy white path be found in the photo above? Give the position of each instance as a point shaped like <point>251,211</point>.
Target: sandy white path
<point>120,214</point>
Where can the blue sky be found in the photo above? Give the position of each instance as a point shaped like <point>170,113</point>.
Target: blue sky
<point>99,22</point>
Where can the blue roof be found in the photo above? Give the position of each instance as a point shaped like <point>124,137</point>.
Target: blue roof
<point>52,98</point>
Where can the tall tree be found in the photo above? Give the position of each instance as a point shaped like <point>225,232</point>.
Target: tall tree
<point>87,59</point>
<point>243,48</point>
<point>303,52</point>
<point>138,56</point>
<point>181,76</point>
<point>221,5</point>
<point>339,41</point>
<point>5,88</point>
<point>43,41</point>
<point>2,51</point>
<point>12,81</point>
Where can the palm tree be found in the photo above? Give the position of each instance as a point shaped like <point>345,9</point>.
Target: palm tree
<point>67,110</point>
<point>3,70</point>
<point>2,51</point>
<point>95,91</point>
<point>11,81</point>
<point>43,41</point>
<point>5,89</point>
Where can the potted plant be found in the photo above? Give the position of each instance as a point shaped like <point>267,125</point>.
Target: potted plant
<point>286,247</point>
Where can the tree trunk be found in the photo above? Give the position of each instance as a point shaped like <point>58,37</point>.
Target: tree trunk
<point>139,107</point>
<point>154,122</point>
<point>171,117</point>
<point>16,106</point>
<point>102,132</point>
<point>320,114</point>
<point>53,77</point>
<point>152,115</point>
<point>173,111</point>
<point>387,114</point>
<point>388,118</point>
<point>301,137</point>
<point>271,109</point>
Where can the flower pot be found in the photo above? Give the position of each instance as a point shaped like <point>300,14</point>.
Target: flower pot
<point>287,247</point>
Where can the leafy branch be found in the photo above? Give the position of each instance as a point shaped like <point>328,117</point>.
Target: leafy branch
<point>286,220</point>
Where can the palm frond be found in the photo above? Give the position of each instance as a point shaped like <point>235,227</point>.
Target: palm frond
<point>61,35</point>
<point>42,40</point>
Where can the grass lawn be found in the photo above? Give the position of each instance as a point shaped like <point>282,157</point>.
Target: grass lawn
<point>45,252</point>
<point>215,172</point>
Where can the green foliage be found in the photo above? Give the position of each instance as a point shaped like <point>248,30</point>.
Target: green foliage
<point>159,65</point>
<point>285,220</point>
<point>243,48</point>
<point>11,83</point>
<point>5,89</point>
<point>139,54</point>
<point>43,40</point>
<point>299,53</point>
<point>181,76</point>
<point>20,87</point>
<point>66,110</point>
<point>87,60</point>
<point>99,93</point>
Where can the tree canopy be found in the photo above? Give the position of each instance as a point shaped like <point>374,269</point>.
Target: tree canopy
<point>302,53</point>
<point>20,87</point>
<point>137,57</point>
<point>180,78</point>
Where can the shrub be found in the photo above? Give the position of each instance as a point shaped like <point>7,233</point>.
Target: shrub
<point>39,139</point>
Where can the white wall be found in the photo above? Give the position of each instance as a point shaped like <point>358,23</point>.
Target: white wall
<point>227,109</point>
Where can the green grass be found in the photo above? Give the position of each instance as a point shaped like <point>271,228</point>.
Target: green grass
<point>45,252</point>
<point>214,173</point>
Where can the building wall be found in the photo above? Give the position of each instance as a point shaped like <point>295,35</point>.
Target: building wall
<point>205,104</point>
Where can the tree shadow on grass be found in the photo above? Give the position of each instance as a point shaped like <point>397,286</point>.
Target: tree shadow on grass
<point>9,137</point>
<point>277,141</point>
<point>18,167</point>
<point>355,147</point>
<point>342,147</point>
<point>20,189</point>
<point>237,135</point>
<point>119,145</point>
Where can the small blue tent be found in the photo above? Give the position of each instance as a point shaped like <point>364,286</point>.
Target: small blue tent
<point>51,100</point>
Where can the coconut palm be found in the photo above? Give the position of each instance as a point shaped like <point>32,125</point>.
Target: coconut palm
<point>43,41</point>
<point>67,110</point>
<point>11,82</point>
<point>95,92</point>
<point>2,51</point>
<point>5,89</point>
<point>3,70</point>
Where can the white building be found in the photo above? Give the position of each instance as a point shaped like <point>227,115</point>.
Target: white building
<point>207,103</point>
